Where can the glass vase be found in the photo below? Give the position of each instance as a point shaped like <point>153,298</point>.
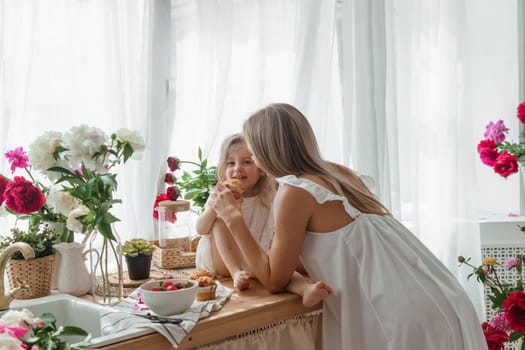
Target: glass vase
<point>106,268</point>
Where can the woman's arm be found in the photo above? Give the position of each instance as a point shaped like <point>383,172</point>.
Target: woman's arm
<point>205,221</point>
<point>292,210</point>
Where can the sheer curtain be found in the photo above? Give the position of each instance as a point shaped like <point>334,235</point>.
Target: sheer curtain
<point>406,84</point>
<point>64,63</point>
<point>233,57</point>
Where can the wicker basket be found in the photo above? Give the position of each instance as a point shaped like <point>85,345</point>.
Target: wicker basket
<point>37,273</point>
<point>174,255</point>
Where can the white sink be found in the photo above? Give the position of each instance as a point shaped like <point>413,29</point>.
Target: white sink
<point>73,311</point>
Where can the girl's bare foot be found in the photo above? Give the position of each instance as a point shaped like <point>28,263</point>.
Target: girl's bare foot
<point>315,292</point>
<point>241,280</point>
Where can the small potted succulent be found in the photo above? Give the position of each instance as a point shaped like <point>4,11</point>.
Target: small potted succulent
<point>138,253</point>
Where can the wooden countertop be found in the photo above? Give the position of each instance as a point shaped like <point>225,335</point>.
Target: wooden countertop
<point>245,310</point>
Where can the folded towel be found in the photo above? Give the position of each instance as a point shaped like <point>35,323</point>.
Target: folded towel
<point>125,315</point>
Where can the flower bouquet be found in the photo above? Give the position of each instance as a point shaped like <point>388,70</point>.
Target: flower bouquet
<point>80,163</point>
<point>177,248</point>
<point>503,156</point>
<point>507,298</point>
<point>21,330</point>
<point>31,200</point>
<point>194,186</point>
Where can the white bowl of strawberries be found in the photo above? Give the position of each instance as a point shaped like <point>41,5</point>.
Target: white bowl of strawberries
<point>169,296</point>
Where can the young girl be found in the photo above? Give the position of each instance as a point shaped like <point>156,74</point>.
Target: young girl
<point>217,252</point>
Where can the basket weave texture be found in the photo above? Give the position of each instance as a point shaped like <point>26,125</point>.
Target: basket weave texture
<point>37,273</point>
<point>173,256</point>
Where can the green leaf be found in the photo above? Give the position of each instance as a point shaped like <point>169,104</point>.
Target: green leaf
<point>106,231</point>
<point>73,330</point>
<point>128,152</point>
<point>192,193</point>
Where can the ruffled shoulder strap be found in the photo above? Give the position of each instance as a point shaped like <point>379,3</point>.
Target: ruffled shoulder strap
<point>320,193</point>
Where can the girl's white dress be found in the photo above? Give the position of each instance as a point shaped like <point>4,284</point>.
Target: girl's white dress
<point>390,291</point>
<point>260,222</point>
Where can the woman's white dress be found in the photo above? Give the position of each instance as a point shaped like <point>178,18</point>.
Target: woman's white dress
<point>390,291</point>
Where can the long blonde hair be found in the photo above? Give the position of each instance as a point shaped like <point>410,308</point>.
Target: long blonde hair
<point>284,143</point>
<point>264,188</point>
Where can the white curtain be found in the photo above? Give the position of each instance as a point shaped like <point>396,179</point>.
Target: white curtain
<point>64,63</point>
<point>405,88</point>
<point>233,57</point>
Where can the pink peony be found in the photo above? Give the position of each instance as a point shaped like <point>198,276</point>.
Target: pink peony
<point>499,321</point>
<point>511,263</point>
<point>506,164</point>
<point>521,112</point>
<point>18,158</point>
<point>14,331</point>
<point>496,131</point>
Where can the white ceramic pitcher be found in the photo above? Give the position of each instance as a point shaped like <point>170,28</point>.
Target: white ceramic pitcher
<point>72,276</point>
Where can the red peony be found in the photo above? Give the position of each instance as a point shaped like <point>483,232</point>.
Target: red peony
<point>3,185</point>
<point>488,156</point>
<point>173,163</point>
<point>160,198</point>
<point>521,112</point>
<point>169,178</point>
<point>514,306</point>
<point>22,197</point>
<point>172,193</point>
<point>486,144</point>
<point>506,164</point>
<point>495,337</point>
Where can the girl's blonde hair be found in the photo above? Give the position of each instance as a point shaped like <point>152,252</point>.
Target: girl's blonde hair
<point>264,188</point>
<point>284,143</point>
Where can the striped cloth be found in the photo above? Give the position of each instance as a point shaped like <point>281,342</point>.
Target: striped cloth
<point>123,316</point>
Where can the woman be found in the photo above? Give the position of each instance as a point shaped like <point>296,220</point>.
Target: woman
<point>390,291</point>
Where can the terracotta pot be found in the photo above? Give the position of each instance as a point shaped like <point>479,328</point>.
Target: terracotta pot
<point>138,267</point>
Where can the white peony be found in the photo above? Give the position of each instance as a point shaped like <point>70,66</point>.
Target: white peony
<point>41,153</point>
<point>72,223</point>
<point>19,318</point>
<point>135,139</point>
<point>62,202</point>
<point>83,142</point>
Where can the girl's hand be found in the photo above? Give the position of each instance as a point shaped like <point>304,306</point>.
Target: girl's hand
<point>224,203</point>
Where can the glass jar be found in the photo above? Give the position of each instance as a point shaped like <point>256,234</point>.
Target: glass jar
<point>174,224</point>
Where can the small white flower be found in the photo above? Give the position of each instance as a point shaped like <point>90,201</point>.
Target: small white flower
<point>61,201</point>
<point>72,223</point>
<point>135,139</point>
<point>83,142</point>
